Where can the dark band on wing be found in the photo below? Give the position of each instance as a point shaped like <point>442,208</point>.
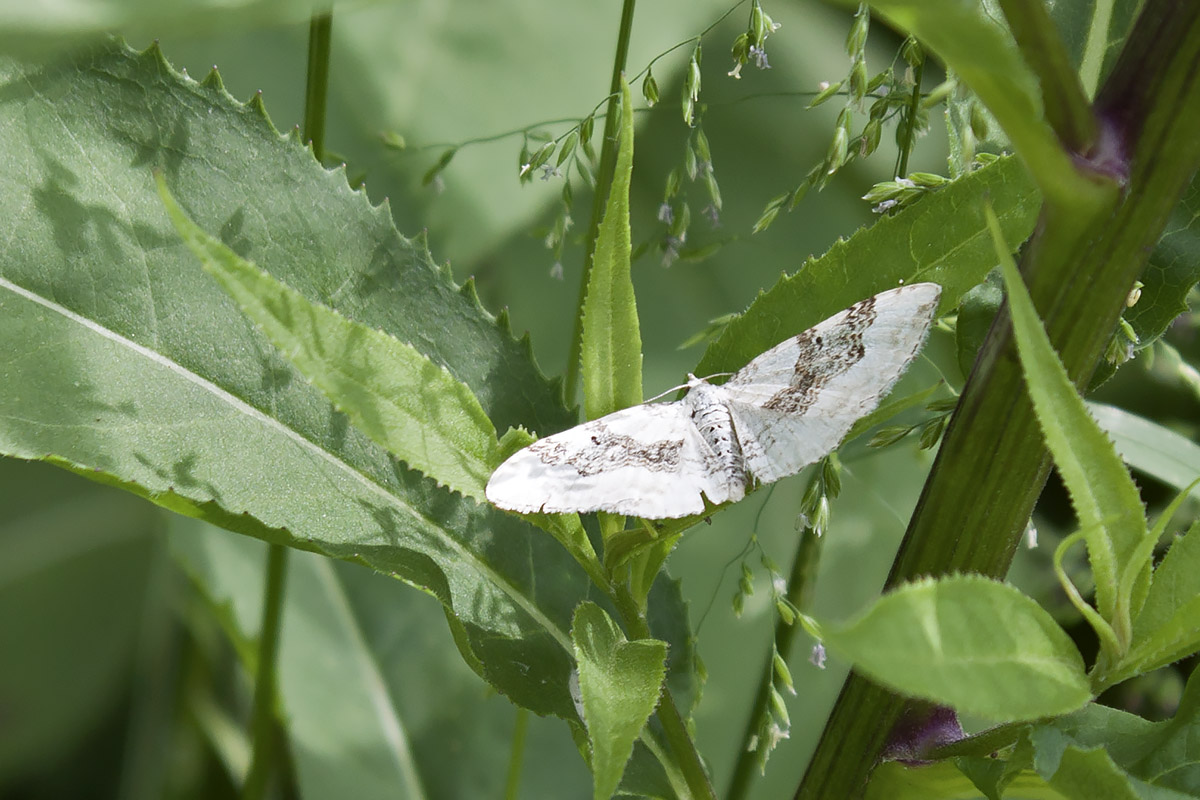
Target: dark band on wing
<point>824,356</point>
<point>609,451</point>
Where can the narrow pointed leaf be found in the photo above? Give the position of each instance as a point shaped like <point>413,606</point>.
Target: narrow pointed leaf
<point>612,340</point>
<point>1149,447</point>
<point>1104,495</point>
<point>398,397</point>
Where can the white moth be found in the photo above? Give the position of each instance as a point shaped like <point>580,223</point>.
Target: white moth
<point>781,412</point>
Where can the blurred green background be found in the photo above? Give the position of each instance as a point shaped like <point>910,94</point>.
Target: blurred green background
<point>113,667</point>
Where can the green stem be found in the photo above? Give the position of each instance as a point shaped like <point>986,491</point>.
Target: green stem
<point>262,720</point>
<point>1079,266</point>
<point>910,133</point>
<point>799,592</point>
<point>317,88</point>
<point>1066,104</point>
<point>604,177</point>
<point>687,758</point>
<point>512,785</point>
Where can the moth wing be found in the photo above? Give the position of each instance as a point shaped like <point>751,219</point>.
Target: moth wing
<point>794,403</point>
<point>647,461</point>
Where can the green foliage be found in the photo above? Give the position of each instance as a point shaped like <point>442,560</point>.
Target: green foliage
<point>970,643</point>
<point>391,392</point>
<point>1102,492</point>
<point>344,394</point>
<point>228,570</point>
<point>981,52</point>
<point>1094,752</point>
<point>619,684</point>
<point>943,239</point>
<point>612,341</point>
<point>161,386</point>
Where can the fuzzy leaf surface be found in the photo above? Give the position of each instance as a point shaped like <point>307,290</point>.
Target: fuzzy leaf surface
<point>612,340</point>
<point>974,644</point>
<point>127,364</point>
<point>391,392</point>
<point>619,682</point>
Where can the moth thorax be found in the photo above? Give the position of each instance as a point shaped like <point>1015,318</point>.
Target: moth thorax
<point>711,416</point>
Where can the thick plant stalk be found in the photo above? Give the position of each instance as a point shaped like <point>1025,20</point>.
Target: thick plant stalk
<point>993,463</point>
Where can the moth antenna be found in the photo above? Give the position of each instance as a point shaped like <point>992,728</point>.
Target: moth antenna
<point>694,380</point>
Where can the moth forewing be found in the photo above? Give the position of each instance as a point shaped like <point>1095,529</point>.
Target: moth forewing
<point>794,403</point>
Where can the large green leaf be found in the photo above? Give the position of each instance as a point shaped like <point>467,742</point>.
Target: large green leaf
<point>1164,754</point>
<point>1088,774</point>
<point>944,781</point>
<point>391,392</point>
<point>126,363</point>
<point>612,341</point>
<point>1096,752</point>
<point>943,239</point>
<point>974,644</point>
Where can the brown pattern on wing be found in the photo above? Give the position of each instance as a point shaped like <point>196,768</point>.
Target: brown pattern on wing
<point>608,451</point>
<point>822,358</point>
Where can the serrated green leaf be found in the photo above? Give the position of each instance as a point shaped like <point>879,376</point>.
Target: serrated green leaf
<point>1102,492</point>
<point>619,682</point>
<point>943,239</point>
<point>133,368</point>
<point>1168,625</point>
<point>1149,447</point>
<point>974,644</point>
<point>1176,583</point>
<point>391,392</point>
<point>612,340</point>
